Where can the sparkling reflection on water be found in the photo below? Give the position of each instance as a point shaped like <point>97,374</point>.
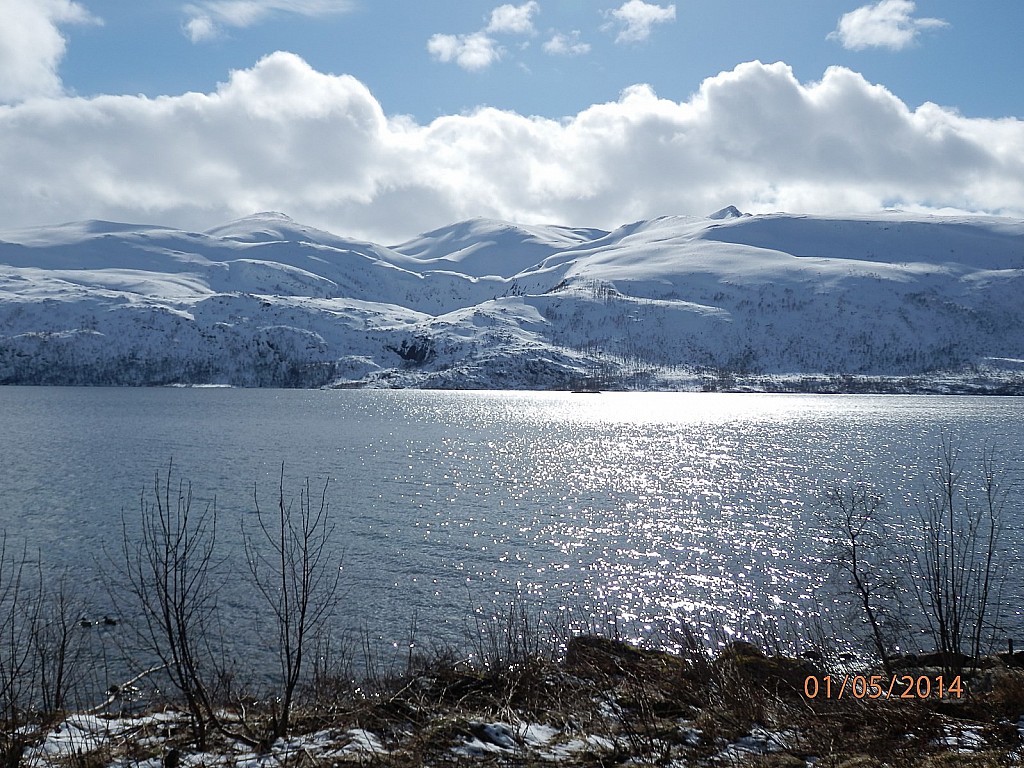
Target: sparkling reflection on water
<point>642,511</point>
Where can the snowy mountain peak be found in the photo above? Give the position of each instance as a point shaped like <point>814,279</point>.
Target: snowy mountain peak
<point>677,301</point>
<point>268,215</point>
<point>268,226</point>
<point>729,212</point>
<point>481,247</point>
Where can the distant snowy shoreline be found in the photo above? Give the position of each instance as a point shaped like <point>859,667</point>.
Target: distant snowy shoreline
<point>1006,384</point>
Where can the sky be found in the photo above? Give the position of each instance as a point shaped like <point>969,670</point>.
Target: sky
<point>382,119</point>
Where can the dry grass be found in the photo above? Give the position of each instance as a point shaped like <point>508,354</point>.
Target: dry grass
<point>738,706</point>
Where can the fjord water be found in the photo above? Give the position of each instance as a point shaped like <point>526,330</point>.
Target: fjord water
<point>636,509</point>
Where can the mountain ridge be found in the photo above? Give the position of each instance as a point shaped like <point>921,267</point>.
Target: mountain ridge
<point>730,300</point>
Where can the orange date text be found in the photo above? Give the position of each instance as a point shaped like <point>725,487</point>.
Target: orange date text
<point>882,687</point>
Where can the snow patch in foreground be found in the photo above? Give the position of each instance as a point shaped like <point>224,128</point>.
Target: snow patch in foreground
<point>541,740</point>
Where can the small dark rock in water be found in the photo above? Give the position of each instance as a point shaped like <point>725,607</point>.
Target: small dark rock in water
<point>109,621</point>
<point>84,623</point>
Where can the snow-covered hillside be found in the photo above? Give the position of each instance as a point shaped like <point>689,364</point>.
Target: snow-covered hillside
<point>774,300</point>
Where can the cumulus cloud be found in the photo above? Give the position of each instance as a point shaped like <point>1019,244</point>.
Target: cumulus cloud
<point>205,20</point>
<point>479,50</point>
<point>282,136</point>
<point>636,19</point>
<point>561,44</point>
<point>471,52</point>
<point>32,45</point>
<point>514,19</point>
<point>884,24</point>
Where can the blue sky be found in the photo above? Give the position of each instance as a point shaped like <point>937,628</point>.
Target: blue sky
<point>973,63</point>
<point>941,77</point>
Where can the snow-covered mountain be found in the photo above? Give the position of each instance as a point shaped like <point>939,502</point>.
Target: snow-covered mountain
<point>731,299</point>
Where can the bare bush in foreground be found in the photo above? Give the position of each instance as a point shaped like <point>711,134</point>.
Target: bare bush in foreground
<point>958,566</point>
<point>42,650</point>
<point>291,560</point>
<point>19,605</point>
<point>861,552</point>
<point>59,647</point>
<point>169,572</point>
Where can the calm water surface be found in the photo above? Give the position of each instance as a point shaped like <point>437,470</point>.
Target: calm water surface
<point>641,510</point>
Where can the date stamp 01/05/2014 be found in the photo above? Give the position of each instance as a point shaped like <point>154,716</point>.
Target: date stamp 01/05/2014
<point>882,687</point>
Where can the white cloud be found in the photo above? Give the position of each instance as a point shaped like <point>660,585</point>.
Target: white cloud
<point>884,24</point>
<point>206,19</point>
<point>514,19</point>
<point>636,19</point>
<point>32,45</point>
<point>282,136</point>
<point>200,27</point>
<point>566,45</point>
<point>471,52</point>
<point>479,50</point>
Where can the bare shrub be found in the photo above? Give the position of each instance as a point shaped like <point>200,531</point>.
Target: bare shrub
<point>170,573</point>
<point>42,651</point>
<point>959,570</point>
<point>861,553</point>
<point>19,606</point>
<point>515,646</point>
<point>59,647</point>
<point>293,566</point>
<point>955,570</point>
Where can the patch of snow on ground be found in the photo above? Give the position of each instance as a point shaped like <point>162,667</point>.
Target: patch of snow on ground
<point>536,735</point>
<point>488,738</point>
<point>570,749</point>
<point>760,741</point>
<point>962,739</point>
<point>690,735</point>
<point>361,740</point>
<point>79,734</point>
<point>501,738</point>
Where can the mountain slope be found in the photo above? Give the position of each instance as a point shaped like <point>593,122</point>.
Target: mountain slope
<point>482,247</point>
<point>670,302</point>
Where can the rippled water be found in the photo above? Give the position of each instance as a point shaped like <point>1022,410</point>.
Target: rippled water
<point>639,510</point>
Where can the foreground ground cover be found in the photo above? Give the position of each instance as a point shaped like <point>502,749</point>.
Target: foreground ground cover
<point>602,702</point>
